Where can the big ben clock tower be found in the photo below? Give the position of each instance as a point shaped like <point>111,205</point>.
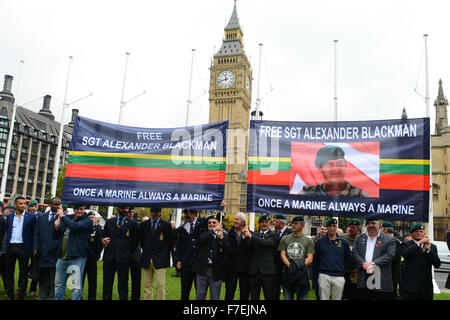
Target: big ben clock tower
<point>230,99</point>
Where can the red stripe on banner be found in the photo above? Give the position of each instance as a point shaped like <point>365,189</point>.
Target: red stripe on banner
<point>405,182</point>
<point>357,178</point>
<point>145,174</point>
<point>278,178</point>
<point>303,157</point>
<point>366,147</point>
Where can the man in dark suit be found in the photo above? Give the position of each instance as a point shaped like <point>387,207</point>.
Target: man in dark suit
<point>238,260</point>
<point>120,238</point>
<point>262,270</point>
<point>156,239</point>
<point>186,248</point>
<point>18,246</point>
<point>420,256</point>
<point>209,264</point>
<point>135,265</point>
<point>373,254</point>
<point>45,247</point>
<point>95,250</point>
<point>281,229</point>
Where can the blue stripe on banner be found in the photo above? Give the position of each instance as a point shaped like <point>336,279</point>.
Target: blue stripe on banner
<point>404,205</point>
<point>142,194</point>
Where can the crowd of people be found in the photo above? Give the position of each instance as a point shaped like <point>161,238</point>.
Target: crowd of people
<point>277,259</point>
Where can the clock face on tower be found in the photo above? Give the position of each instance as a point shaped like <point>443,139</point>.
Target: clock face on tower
<point>225,79</point>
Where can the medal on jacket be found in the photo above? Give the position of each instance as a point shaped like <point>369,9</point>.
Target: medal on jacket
<point>220,250</point>
<point>161,238</point>
<point>128,233</point>
<point>92,239</point>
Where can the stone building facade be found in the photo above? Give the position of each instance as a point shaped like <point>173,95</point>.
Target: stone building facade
<point>33,148</point>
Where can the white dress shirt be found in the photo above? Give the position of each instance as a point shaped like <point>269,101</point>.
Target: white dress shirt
<point>371,247</point>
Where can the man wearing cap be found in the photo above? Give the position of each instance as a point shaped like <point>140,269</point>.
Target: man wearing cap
<point>262,270</point>
<point>45,247</point>
<point>187,248</point>
<point>373,254</point>
<point>73,233</point>
<point>281,229</point>
<point>296,248</point>
<point>95,249</point>
<point>332,257</point>
<point>350,275</point>
<point>120,238</point>
<point>331,163</point>
<point>20,227</point>
<point>388,228</point>
<point>210,264</point>
<point>156,240</point>
<point>420,256</point>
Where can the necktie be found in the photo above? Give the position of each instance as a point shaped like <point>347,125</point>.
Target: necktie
<point>153,226</point>
<point>120,222</point>
<point>191,229</point>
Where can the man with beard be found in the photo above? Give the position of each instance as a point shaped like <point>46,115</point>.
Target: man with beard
<point>120,238</point>
<point>373,254</point>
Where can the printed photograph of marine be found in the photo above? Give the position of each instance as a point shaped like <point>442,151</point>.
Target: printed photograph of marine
<point>330,161</point>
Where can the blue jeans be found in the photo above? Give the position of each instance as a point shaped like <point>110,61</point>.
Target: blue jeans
<point>66,268</point>
<point>302,294</point>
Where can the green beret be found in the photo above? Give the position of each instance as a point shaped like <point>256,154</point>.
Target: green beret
<point>280,216</point>
<point>263,217</point>
<point>331,221</point>
<point>387,225</point>
<point>64,206</point>
<point>154,209</point>
<point>91,213</point>
<point>213,216</point>
<point>416,226</point>
<point>11,207</point>
<point>76,206</point>
<point>354,222</point>
<point>298,218</point>
<point>328,152</point>
<point>32,203</point>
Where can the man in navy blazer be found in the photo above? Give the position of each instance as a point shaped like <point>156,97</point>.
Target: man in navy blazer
<point>18,246</point>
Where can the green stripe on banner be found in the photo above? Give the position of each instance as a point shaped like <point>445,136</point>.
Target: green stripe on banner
<point>145,163</point>
<point>272,165</point>
<point>404,169</point>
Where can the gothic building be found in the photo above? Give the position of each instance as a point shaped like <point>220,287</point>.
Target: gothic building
<point>34,144</point>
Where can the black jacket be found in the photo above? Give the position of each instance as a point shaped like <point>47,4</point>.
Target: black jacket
<point>211,247</point>
<point>417,276</point>
<point>95,243</point>
<point>123,240</point>
<point>44,243</point>
<point>296,276</point>
<point>238,260</point>
<point>2,230</point>
<point>187,245</point>
<point>262,258</point>
<point>156,246</point>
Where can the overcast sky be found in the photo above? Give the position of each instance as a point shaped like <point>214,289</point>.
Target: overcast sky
<point>380,56</point>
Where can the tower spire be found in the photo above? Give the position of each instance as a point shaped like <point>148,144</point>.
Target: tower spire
<point>441,104</point>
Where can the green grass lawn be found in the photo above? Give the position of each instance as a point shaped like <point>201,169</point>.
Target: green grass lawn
<point>173,291</point>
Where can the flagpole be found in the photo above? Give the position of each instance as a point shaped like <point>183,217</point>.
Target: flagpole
<point>10,136</point>
<point>61,129</point>
<point>427,105</point>
<point>335,93</point>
